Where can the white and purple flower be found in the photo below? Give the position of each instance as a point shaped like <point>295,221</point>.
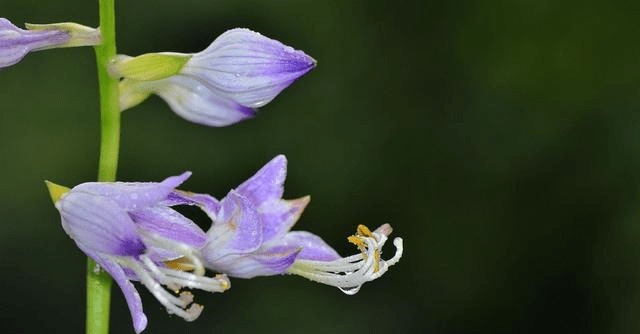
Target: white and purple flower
<point>131,232</point>
<point>250,236</point>
<point>222,85</point>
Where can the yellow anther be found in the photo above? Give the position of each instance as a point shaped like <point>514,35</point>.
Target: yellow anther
<point>363,231</point>
<point>356,240</point>
<point>180,263</point>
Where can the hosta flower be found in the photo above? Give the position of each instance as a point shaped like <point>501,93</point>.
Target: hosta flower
<point>250,236</point>
<point>130,230</point>
<point>240,71</point>
<point>15,43</point>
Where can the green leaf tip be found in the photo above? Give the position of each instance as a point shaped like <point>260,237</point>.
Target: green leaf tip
<point>55,190</point>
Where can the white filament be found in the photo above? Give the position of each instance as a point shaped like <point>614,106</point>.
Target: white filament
<point>349,273</point>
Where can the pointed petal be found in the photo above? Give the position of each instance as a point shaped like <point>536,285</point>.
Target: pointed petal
<point>267,183</point>
<point>128,290</point>
<point>313,247</point>
<point>278,216</point>
<point>236,231</point>
<point>249,68</point>
<point>169,224</point>
<point>99,223</point>
<point>134,195</point>
<point>206,202</point>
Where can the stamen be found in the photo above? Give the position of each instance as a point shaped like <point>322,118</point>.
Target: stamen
<point>348,274</point>
<point>177,247</point>
<point>173,304</point>
<point>363,231</point>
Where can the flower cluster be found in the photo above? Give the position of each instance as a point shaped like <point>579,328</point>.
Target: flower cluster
<point>132,232</point>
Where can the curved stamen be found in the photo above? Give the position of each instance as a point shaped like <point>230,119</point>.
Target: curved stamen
<point>174,305</point>
<point>349,273</point>
<point>185,250</point>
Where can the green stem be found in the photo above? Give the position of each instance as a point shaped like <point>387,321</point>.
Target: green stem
<point>99,283</point>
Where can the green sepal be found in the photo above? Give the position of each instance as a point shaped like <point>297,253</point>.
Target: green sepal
<point>79,35</point>
<point>56,191</point>
<point>148,67</point>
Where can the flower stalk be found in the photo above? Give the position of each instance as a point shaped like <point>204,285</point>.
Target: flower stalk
<point>98,281</point>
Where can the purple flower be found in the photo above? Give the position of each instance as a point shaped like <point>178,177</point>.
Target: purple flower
<point>224,84</point>
<point>15,43</point>
<point>250,236</point>
<point>131,231</point>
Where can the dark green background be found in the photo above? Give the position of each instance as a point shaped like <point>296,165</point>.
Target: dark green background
<point>499,138</point>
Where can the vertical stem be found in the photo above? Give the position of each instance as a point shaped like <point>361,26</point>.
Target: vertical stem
<point>99,283</point>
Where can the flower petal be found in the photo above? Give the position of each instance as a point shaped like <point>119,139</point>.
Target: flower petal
<point>267,183</point>
<point>99,224</point>
<point>128,290</point>
<point>278,216</point>
<point>247,67</point>
<point>252,265</point>
<point>313,247</point>
<point>169,224</point>
<point>189,98</point>
<point>134,195</point>
<point>206,202</point>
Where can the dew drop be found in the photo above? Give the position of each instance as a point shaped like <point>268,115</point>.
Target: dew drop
<point>351,291</point>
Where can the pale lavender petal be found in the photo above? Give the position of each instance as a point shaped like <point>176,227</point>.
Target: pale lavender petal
<point>278,216</point>
<point>240,216</point>
<point>252,265</point>
<point>134,195</point>
<point>128,290</point>
<point>267,183</point>
<point>206,202</point>
<point>313,247</point>
<point>188,98</point>
<point>247,67</point>
<point>169,224</point>
<point>15,43</point>
<point>99,224</point>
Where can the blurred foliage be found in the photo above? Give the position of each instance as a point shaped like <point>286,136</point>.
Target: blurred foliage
<point>499,138</point>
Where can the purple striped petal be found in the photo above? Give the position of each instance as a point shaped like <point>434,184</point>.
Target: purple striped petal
<point>169,224</point>
<point>247,67</point>
<point>134,195</point>
<point>189,99</point>
<point>130,293</point>
<point>206,202</point>
<point>15,43</point>
<point>99,224</point>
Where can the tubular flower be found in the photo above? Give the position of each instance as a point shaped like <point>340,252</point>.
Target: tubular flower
<point>15,43</point>
<point>131,232</point>
<point>224,84</point>
<point>250,236</point>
